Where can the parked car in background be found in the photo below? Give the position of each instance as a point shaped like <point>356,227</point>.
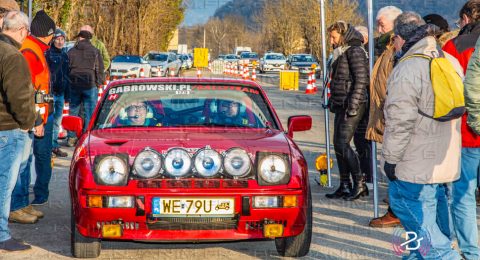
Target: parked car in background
<point>231,58</point>
<point>272,62</point>
<point>221,57</point>
<point>187,63</point>
<point>248,58</point>
<point>241,49</point>
<point>186,159</point>
<point>303,63</point>
<point>129,65</point>
<point>163,63</point>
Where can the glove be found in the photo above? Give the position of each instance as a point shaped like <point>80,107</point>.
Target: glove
<point>390,171</point>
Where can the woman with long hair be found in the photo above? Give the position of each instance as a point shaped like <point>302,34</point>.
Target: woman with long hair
<point>348,100</point>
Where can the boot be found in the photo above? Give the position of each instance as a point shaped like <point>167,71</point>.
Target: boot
<point>387,220</point>
<point>360,189</point>
<point>59,153</point>
<point>342,191</point>
<point>14,245</point>
<point>22,217</point>
<point>30,210</point>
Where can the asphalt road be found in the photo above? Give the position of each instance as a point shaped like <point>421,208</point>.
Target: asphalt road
<point>340,227</point>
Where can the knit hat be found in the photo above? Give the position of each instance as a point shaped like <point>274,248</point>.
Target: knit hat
<point>59,33</point>
<point>42,25</point>
<point>85,34</point>
<point>10,5</point>
<point>437,20</point>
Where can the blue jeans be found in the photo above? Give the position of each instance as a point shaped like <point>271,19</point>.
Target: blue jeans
<point>421,209</point>
<point>42,150</point>
<point>87,97</point>
<point>12,144</point>
<point>58,102</point>
<point>464,207</point>
<point>20,192</point>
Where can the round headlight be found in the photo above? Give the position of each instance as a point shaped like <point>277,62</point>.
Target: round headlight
<point>177,162</point>
<point>237,162</point>
<point>273,168</point>
<point>147,164</point>
<point>207,162</point>
<point>112,170</point>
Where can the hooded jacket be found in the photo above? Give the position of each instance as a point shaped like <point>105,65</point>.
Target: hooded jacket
<point>350,77</point>
<point>17,108</point>
<point>86,66</point>
<point>411,141</point>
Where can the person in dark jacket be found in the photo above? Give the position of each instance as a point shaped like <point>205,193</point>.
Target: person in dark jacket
<point>17,117</point>
<point>349,82</point>
<point>86,75</point>
<point>58,64</point>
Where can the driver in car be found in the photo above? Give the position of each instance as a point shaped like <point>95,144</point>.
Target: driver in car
<point>229,113</point>
<point>138,114</point>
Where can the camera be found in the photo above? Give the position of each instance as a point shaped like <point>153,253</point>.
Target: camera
<point>41,97</point>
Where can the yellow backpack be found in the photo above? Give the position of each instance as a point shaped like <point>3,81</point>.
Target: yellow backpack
<point>449,102</point>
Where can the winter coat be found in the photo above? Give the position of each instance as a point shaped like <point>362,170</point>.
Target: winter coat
<point>17,107</point>
<point>86,66</point>
<point>425,150</point>
<point>58,64</point>
<point>472,91</point>
<point>103,51</point>
<point>350,76</point>
<point>381,43</point>
<point>378,91</point>
<point>462,47</point>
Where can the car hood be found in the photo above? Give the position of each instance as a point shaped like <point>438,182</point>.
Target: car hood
<point>132,141</point>
<point>303,64</point>
<point>275,61</point>
<point>125,65</point>
<point>157,63</point>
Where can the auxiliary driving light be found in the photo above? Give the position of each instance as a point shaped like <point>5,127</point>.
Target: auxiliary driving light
<point>111,230</point>
<point>273,230</point>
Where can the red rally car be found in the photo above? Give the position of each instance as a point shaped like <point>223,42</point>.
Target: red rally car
<point>184,159</point>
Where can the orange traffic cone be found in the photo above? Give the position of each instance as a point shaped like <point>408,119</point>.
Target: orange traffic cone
<point>314,81</point>
<point>172,73</point>
<point>142,73</point>
<point>100,92</point>
<point>254,74</point>
<point>199,73</point>
<point>309,89</point>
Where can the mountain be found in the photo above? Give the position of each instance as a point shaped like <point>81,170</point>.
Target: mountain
<point>449,9</point>
<point>199,11</point>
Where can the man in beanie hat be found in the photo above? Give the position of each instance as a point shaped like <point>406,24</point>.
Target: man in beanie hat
<point>99,45</point>
<point>86,75</point>
<point>58,63</point>
<point>33,48</point>
<point>5,7</point>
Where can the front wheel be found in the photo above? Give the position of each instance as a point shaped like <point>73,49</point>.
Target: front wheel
<point>297,246</point>
<point>83,247</point>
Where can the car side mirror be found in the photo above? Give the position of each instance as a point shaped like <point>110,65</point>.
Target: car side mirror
<point>298,124</point>
<point>73,123</point>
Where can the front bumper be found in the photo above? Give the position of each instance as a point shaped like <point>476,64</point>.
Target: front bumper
<point>139,224</point>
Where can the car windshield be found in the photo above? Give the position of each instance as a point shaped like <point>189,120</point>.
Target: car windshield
<point>131,59</point>
<point>157,57</point>
<point>249,55</point>
<point>274,57</point>
<point>231,57</point>
<point>184,105</point>
<point>303,58</point>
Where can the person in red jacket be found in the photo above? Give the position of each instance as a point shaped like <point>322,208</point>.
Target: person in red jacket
<point>463,190</point>
<point>33,48</point>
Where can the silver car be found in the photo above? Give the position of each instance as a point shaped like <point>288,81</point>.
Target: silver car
<point>129,65</point>
<point>272,62</point>
<point>163,63</point>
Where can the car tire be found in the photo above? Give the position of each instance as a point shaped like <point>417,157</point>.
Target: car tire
<point>83,247</point>
<point>299,245</point>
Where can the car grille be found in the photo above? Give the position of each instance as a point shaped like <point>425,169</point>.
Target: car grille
<point>119,71</point>
<point>192,223</point>
<point>192,183</point>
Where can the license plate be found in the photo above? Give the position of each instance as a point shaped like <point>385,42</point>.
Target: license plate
<point>193,207</point>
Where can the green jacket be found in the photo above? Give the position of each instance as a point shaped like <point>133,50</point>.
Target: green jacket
<point>103,50</point>
<point>17,108</point>
<point>472,90</point>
